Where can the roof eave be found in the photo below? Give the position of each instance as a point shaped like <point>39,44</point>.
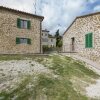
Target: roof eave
<point>14,10</point>
<point>80,17</point>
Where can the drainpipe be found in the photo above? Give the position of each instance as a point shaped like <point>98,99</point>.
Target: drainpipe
<point>40,36</point>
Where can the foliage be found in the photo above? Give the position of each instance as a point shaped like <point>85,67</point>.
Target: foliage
<point>58,39</point>
<point>60,43</point>
<point>45,48</point>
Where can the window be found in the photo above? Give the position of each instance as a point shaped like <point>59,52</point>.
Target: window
<point>45,34</point>
<point>26,24</point>
<point>51,40</point>
<point>23,41</point>
<point>44,40</point>
<point>89,40</point>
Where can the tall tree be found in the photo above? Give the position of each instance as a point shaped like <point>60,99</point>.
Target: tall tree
<point>58,39</point>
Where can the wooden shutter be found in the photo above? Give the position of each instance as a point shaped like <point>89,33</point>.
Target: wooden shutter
<point>17,40</point>
<point>28,41</point>
<point>29,24</point>
<point>90,39</point>
<point>86,40</point>
<point>18,23</point>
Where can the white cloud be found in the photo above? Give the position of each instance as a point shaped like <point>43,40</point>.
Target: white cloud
<point>92,1</point>
<point>19,4</point>
<point>58,14</point>
<point>61,14</point>
<point>97,8</point>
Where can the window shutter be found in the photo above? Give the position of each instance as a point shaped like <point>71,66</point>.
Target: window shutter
<point>18,23</point>
<point>86,40</point>
<point>28,41</point>
<point>17,40</point>
<point>90,40</point>
<point>29,24</point>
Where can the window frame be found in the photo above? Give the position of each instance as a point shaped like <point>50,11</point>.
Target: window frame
<point>23,24</point>
<point>52,40</point>
<point>23,40</point>
<point>20,40</point>
<point>89,40</point>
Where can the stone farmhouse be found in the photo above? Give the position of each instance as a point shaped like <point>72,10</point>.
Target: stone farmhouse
<point>47,39</point>
<point>51,41</point>
<point>20,32</point>
<point>83,37</point>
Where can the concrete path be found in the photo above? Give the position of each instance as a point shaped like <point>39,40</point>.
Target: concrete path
<point>90,62</point>
<point>93,64</point>
<point>93,90</point>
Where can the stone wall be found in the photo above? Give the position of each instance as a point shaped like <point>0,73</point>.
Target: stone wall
<point>45,38</point>
<point>9,32</point>
<point>78,30</point>
<point>52,42</point>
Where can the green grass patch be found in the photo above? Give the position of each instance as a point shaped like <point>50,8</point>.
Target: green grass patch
<point>19,57</point>
<point>54,88</point>
<point>67,68</point>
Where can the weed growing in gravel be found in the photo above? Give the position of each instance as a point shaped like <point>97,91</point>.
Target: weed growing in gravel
<point>53,88</point>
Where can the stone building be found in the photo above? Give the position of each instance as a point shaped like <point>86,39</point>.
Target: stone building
<point>47,39</point>
<point>83,37</point>
<point>51,41</point>
<point>45,34</point>
<point>20,32</point>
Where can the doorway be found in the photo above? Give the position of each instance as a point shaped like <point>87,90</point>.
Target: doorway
<point>73,44</point>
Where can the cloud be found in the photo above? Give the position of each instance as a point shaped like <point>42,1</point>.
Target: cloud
<point>58,14</point>
<point>97,8</point>
<point>61,13</point>
<point>19,4</point>
<point>92,1</point>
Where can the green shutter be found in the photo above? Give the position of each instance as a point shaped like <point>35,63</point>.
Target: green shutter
<point>86,40</point>
<point>17,40</point>
<point>28,41</point>
<point>90,40</point>
<point>18,23</point>
<point>29,24</point>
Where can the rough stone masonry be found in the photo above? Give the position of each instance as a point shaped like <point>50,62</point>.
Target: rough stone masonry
<point>83,37</point>
<point>20,32</point>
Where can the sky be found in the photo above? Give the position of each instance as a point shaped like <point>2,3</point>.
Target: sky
<point>58,14</point>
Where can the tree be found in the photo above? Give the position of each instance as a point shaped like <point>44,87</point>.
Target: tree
<point>58,39</point>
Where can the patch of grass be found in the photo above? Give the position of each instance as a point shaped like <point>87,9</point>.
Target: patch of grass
<point>19,57</point>
<point>67,68</point>
<point>56,89</point>
<point>60,88</point>
<point>20,91</point>
<point>11,57</point>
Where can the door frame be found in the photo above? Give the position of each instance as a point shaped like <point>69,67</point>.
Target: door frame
<point>73,44</point>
